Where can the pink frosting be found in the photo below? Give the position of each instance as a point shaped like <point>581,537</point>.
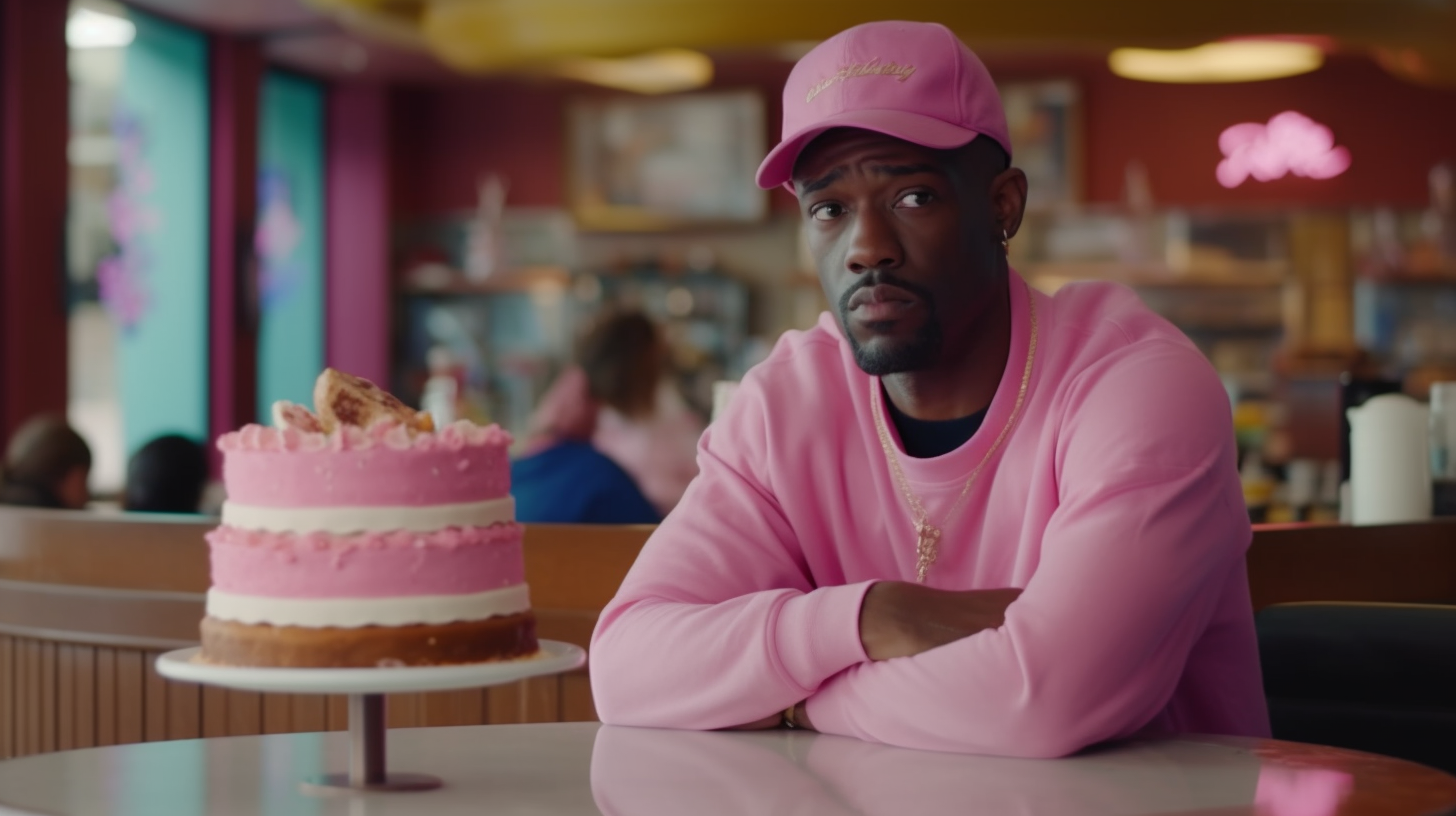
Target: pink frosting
<point>453,561</point>
<point>383,465</point>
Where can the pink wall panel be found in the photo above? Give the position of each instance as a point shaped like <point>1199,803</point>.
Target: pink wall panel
<point>357,252</point>
<point>237,67</point>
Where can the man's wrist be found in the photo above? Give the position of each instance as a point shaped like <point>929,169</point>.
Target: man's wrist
<point>880,633</point>
<point>796,716</point>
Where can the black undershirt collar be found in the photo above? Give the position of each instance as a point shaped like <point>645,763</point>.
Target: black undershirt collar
<point>927,438</point>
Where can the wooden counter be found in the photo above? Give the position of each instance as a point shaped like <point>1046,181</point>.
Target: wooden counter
<point>1389,563</point>
<point>87,601</point>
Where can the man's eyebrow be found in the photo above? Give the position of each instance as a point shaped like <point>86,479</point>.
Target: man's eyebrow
<point>883,169</point>
<point>820,183</point>
<point>907,169</point>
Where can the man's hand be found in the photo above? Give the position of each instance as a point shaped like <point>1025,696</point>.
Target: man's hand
<point>800,718</point>
<point>899,619</point>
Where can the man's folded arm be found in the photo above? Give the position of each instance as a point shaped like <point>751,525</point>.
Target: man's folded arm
<point>1135,561</point>
<point>718,624</point>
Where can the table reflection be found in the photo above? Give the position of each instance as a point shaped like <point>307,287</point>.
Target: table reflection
<point>583,769</point>
<point>1287,791</point>
<point>641,772</point>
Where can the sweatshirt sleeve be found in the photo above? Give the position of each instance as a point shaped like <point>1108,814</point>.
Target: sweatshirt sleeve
<point>1149,529</point>
<point>718,622</point>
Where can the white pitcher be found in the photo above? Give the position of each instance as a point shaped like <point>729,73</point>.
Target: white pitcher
<point>1390,474</point>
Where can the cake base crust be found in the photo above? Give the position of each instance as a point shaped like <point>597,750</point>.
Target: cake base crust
<point>239,644</point>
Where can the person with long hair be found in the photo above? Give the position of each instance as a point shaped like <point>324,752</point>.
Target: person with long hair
<point>561,476</point>
<point>643,423</point>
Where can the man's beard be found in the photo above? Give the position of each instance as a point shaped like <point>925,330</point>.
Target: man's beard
<point>918,353</point>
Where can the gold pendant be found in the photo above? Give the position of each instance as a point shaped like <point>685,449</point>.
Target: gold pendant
<point>927,541</point>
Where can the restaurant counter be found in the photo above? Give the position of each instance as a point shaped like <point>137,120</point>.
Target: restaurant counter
<point>88,600</point>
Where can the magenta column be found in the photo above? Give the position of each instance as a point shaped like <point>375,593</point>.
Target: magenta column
<point>34,130</point>
<point>237,71</point>
<point>358,294</point>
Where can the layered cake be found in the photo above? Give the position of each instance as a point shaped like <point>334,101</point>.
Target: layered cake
<point>358,534</point>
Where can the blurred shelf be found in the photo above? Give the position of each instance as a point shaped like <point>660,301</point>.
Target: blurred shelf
<point>1232,275</point>
<point>522,280</point>
<point>1224,328</point>
<point>1404,278</point>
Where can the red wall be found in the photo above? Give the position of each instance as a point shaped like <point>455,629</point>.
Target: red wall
<point>34,94</point>
<point>444,140</point>
<point>1395,132</point>
<point>447,138</point>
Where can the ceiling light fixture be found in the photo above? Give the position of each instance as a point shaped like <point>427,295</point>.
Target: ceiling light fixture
<point>1229,61</point>
<point>655,72</point>
<point>87,28</point>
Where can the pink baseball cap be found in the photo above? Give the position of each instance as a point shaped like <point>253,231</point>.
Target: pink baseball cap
<point>913,81</point>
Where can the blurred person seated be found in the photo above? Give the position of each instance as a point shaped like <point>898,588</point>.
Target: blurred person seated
<point>166,475</point>
<point>46,465</point>
<point>561,477</point>
<point>643,423</point>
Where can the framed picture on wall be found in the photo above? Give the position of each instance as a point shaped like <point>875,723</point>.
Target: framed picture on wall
<point>656,163</point>
<point>1044,119</point>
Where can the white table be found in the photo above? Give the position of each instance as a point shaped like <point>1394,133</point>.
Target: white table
<point>584,769</point>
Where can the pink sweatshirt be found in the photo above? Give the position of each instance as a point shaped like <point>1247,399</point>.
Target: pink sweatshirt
<point>1114,502</point>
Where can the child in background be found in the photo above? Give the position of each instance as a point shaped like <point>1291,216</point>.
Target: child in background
<point>46,465</point>
<point>166,475</point>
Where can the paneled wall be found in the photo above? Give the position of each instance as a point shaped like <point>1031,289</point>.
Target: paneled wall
<point>88,602</point>
<point>56,696</point>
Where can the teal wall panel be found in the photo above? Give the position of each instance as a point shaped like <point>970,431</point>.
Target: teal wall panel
<point>156,286</point>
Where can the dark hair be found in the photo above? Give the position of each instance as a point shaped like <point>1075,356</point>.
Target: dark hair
<point>983,154</point>
<point>624,357</point>
<point>41,453</point>
<point>166,475</point>
<point>1003,159</point>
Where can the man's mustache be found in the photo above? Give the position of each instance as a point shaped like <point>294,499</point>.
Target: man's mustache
<point>876,277</point>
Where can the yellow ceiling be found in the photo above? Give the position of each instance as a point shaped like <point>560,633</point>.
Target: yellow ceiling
<point>1414,39</point>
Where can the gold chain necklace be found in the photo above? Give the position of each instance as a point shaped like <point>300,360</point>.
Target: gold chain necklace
<point>927,535</point>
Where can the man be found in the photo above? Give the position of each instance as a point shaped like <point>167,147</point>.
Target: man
<point>966,516</point>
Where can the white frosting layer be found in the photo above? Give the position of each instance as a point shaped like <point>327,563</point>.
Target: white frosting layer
<point>349,613</point>
<point>344,520</point>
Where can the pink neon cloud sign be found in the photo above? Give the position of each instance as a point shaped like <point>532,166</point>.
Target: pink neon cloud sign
<point>1290,143</point>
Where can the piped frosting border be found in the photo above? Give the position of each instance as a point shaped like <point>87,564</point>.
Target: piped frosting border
<point>453,437</point>
<point>362,519</point>
<point>351,613</point>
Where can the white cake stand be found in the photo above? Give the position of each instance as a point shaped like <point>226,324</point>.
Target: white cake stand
<point>366,689</point>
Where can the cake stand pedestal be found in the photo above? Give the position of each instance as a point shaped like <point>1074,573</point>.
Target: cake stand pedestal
<point>366,689</point>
